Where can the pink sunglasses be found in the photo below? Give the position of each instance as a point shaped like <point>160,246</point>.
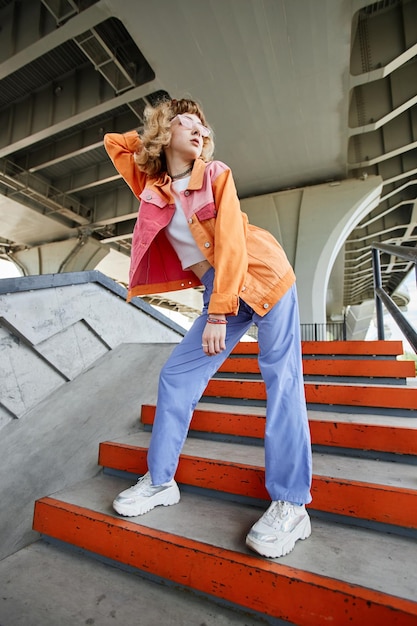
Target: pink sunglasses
<point>189,122</point>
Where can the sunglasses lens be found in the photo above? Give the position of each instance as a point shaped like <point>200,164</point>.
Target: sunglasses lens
<point>188,122</point>
<point>185,121</point>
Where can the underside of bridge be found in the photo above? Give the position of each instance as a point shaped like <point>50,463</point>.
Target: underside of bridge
<point>300,93</point>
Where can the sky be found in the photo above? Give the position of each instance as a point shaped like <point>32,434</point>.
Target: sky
<point>9,270</point>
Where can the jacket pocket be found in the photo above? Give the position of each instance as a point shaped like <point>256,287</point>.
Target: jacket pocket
<point>207,212</point>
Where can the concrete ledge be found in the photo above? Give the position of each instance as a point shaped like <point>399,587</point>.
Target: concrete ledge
<point>56,443</point>
<point>49,281</point>
<point>54,327</point>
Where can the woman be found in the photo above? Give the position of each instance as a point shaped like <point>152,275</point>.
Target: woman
<point>191,231</point>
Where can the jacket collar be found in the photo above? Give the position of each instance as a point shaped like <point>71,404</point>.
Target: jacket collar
<point>163,182</point>
<point>197,175</point>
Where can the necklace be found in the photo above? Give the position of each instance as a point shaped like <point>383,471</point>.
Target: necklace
<point>175,176</point>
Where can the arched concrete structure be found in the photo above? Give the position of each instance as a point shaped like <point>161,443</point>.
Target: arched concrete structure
<point>63,248</point>
<point>313,224</point>
<point>78,254</point>
<point>298,92</point>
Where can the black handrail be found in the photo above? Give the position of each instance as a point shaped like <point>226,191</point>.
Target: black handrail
<point>382,297</point>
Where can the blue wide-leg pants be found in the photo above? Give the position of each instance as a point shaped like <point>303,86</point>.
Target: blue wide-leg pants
<point>185,375</point>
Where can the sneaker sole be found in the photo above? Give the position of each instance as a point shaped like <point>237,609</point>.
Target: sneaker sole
<point>164,498</point>
<point>303,531</point>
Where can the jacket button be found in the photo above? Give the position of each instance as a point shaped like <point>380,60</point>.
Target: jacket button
<point>186,192</point>
<point>243,288</point>
<point>149,197</point>
<point>190,221</point>
<point>266,305</point>
<point>207,244</point>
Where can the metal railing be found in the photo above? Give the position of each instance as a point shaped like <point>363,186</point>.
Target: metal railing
<point>382,297</point>
<point>331,331</point>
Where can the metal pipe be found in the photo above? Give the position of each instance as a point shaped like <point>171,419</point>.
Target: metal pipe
<point>377,287</point>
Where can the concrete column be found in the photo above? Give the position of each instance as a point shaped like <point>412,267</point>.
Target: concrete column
<point>358,319</point>
<point>312,224</point>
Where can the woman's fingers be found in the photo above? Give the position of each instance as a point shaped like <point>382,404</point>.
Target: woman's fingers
<point>213,340</point>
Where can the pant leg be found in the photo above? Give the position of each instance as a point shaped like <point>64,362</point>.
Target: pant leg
<point>182,382</point>
<point>288,464</point>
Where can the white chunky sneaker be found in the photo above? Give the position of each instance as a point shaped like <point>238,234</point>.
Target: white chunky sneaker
<point>145,496</point>
<point>276,532</point>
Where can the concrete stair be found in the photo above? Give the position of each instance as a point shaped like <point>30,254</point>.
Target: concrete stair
<point>358,566</point>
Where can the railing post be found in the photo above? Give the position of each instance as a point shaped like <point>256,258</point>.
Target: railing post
<point>378,285</point>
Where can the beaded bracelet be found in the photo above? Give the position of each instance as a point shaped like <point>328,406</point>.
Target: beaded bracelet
<point>213,320</point>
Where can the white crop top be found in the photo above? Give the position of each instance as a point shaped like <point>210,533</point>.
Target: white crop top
<point>178,231</point>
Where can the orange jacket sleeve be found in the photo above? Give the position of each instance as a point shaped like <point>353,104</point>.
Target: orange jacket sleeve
<point>121,150</point>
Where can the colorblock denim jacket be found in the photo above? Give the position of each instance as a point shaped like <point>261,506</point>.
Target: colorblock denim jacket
<point>248,261</point>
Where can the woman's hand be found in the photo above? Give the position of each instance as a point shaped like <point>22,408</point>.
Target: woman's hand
<point>214,337</point>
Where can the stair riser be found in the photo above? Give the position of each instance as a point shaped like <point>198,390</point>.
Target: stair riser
<point>357,349</point>
<point>387,439</point>
<point>332,367</point>
<point>356,500</point>
<point>250,582</point>
<point>336,395</point>
<point>364,437</point>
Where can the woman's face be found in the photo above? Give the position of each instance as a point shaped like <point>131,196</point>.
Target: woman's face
<point>187,133</point>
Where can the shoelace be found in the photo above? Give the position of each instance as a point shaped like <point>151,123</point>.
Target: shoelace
<point>278,510</point>
<point>144,483</point>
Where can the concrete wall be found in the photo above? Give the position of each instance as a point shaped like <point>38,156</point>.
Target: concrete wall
<point>55,445</point>
<point>76,364</point>
<point>54,327</point>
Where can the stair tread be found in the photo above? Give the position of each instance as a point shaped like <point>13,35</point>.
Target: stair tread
<point>229,377</point>
<point>322,367</point>
<point>371,471</point>
<point>399,397</point>
<point>356,556</point>
<point>353,347</point>
<point>317,414</point>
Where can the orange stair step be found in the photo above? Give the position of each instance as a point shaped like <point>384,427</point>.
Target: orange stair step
<point>332,367</point>
<point>371,348</point>
<point>374,502</point>
<point>363,436</point>
<point>397,397</point>
<point>274,589</point>
<point>359,348</point>
<point>376,437</point>
<point>219,422</point>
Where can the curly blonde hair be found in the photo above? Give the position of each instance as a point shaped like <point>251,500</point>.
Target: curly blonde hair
<point>157,134</point>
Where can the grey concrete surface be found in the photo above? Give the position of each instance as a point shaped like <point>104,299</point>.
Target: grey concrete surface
<point>359,556</point>
<point>51,330</point>
<point>56,444</point>
<point>48,585</point>
<point>399,475</point>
